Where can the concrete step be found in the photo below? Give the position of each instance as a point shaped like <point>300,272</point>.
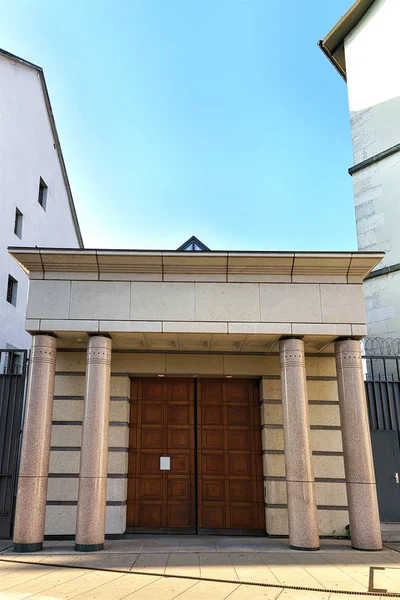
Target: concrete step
<point>390,532</point>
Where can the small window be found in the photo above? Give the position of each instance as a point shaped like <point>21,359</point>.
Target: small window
<point>12,290</point>
<point>18,223</point>
<point>193,246</point>
<point>42,198</point>
<point>11,363</point>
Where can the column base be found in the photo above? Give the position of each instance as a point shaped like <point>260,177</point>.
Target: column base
<point>20,548</point>
<point>88,547</point>
<point>365,526</point>
<point>304,549</point>
<point>367,549</point>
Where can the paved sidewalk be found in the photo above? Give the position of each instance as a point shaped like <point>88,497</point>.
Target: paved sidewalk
<point>145,567</point>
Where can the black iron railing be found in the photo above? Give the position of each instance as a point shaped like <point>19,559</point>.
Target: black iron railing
<point>13,371</point>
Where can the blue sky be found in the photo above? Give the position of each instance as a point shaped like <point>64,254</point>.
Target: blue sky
<point>218,118</point>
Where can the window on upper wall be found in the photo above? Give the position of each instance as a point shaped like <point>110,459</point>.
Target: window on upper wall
<point>42,198</point>
<point>12,289</point>
<point>18,223</point>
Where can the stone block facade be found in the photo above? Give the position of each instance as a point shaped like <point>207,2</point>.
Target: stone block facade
<point>214,328</point>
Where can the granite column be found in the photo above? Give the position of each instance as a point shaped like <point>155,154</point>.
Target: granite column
<point>302,510</point>
<point>30,508</point>
<point>358,462</point>
<point>91,513</point>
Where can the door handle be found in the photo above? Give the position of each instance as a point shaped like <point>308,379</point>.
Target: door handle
<point>396,476</point>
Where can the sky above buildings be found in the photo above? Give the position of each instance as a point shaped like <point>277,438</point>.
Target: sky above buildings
<point>218,118</point>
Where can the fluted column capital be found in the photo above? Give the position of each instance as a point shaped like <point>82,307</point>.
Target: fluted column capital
<point>348,354</point>
<point>99,349</point>
<point>43,340</point>
<point>291,352</point>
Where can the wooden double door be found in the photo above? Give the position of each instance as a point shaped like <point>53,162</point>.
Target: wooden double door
<point>207,434</point>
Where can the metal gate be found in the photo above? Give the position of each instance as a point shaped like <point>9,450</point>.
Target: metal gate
<point>382,386</point>
<point>13,370</point>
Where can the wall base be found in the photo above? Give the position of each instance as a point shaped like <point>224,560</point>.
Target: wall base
<point>390,532</point>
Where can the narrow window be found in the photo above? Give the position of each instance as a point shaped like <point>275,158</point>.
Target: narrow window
<point>11,363</point>
<point>18,223</point>
<point>42,198</point>
<point>12,290</point>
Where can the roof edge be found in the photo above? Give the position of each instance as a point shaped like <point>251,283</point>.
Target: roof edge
<point>353,266</point>
<point>332,44</point>
<point>30,65</point>
<point>339,68</point>
<point>51,250</point>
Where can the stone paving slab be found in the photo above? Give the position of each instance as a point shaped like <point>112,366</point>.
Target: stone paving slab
<point>254,560</point>
<point>152,544</point>
<point>393,546</point>
<point>274,569</point>
<point>40,582</point>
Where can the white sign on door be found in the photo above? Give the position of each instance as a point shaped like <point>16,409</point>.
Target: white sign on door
<point>165,463</point>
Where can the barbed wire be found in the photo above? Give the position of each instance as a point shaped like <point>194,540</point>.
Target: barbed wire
<point>378,346</point>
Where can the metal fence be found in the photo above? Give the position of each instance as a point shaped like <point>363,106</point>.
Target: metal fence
<point>382,386</point>
<point>379,346</point>
<point>382,368</point>
<point>13,371</point>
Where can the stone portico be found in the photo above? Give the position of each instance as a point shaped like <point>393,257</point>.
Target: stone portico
<point>183,339</point>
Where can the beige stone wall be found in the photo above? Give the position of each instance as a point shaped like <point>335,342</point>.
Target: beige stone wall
<point>326,443</point>
<point>323,414</point>
<point>66,437</point>
<point>316,304</point>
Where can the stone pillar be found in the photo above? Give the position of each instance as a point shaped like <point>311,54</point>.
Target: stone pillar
<point>30,508</point>
<point>302,509</point>
<point>358,462</point>
<point>91,513</point>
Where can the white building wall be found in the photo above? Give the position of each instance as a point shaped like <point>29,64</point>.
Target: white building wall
<point>372,63</point>
<point>27,152</point>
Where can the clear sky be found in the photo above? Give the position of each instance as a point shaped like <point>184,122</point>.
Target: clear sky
<point>218,118</point>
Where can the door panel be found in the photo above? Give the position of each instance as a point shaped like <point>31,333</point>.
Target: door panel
<point>230,483</point>
<point>387,464</point>
<point>162,424</point>
<point>229,457</point>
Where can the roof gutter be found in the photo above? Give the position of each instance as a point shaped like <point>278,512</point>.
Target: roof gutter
<point>332,59</point>
<point>334,40</point>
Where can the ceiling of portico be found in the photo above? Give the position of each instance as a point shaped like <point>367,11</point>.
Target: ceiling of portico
<point>195,342</point>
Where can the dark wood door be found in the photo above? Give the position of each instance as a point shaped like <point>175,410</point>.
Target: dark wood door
<point>387,472</point>
<point>230,478</point>
<point>161,425</point>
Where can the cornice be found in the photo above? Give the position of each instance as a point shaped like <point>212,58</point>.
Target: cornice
<point>292,266</point>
